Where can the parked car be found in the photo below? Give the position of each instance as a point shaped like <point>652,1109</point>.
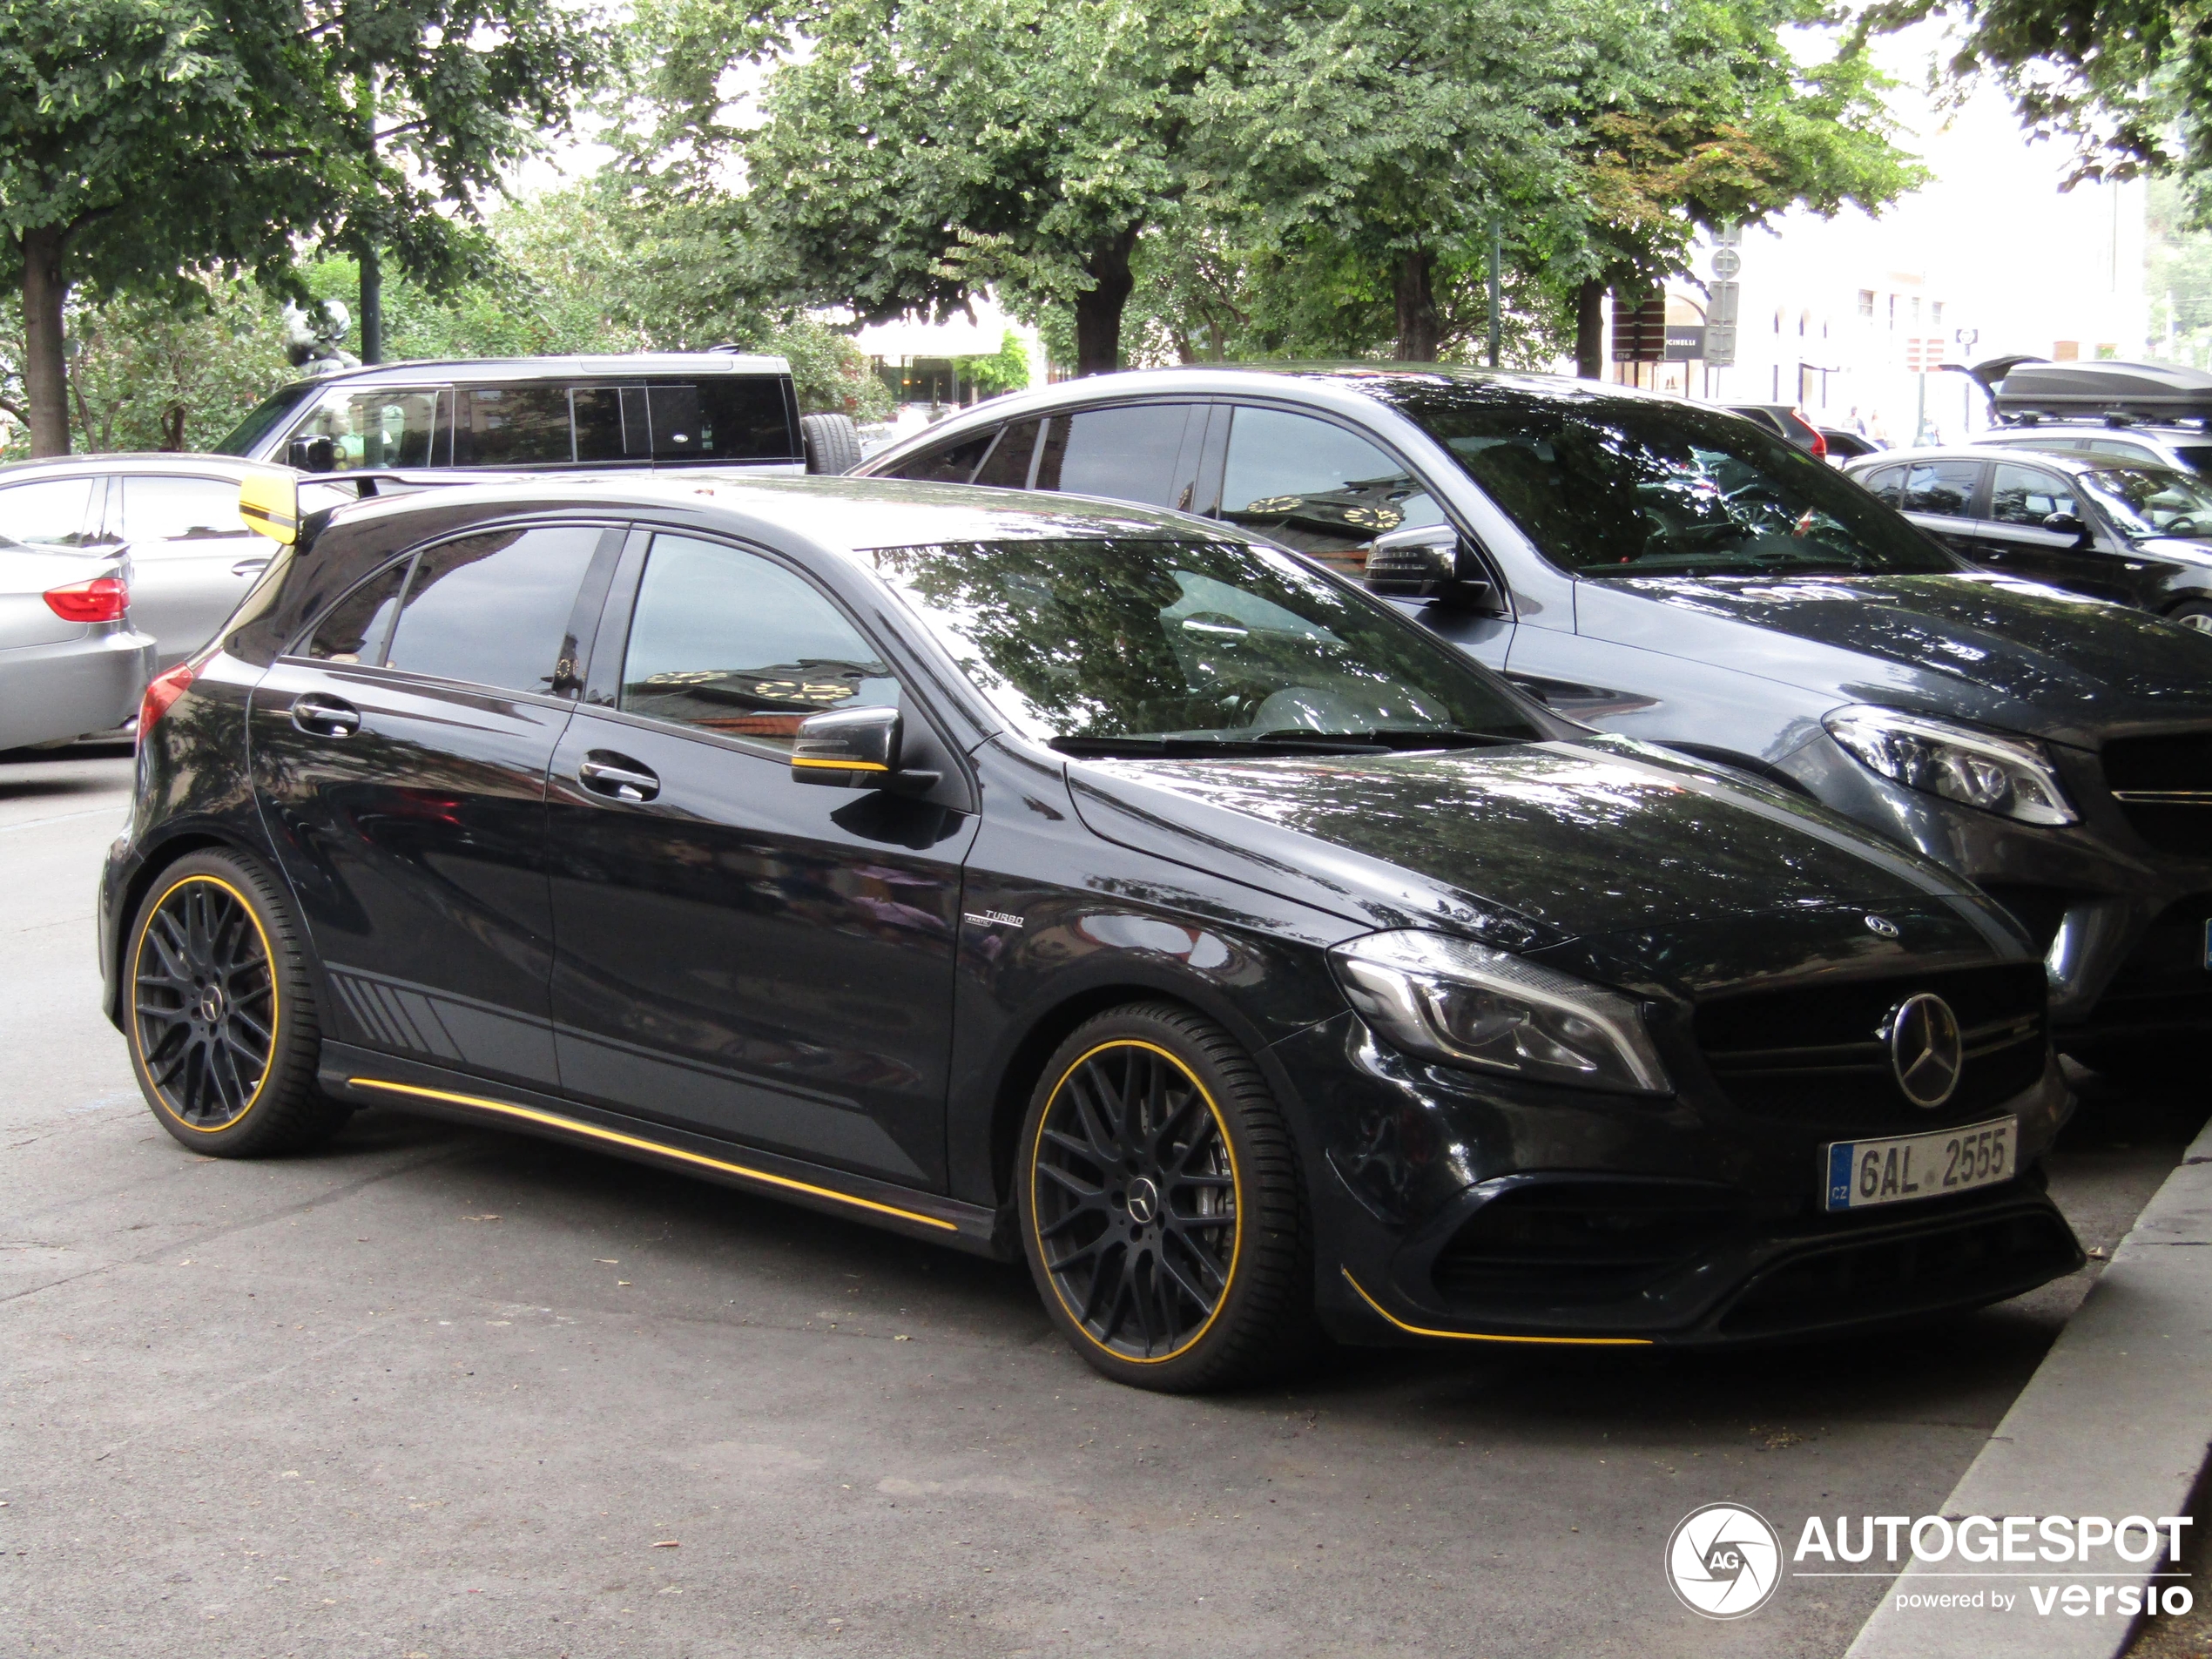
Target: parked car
<point>1788,422</point>
<point>175,517</point>
<point>721,409</point>
<point>2130,533</point>
<point>70,663</point>
<point>2181,448</point>
<point>1844,444</point>
<point>1177,917</point>
<point>1674,573</point>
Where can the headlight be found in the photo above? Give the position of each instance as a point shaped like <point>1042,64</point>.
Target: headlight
<point>1449,1000</point>
<point>2010,776</point>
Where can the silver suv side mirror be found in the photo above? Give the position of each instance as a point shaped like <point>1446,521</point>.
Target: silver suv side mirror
<point>1425,563</point>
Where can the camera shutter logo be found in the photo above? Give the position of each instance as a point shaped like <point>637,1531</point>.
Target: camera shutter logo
<point>1723,1560</point>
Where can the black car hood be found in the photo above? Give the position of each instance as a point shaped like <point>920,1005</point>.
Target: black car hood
<point>1987,649</point>
<point>1525,845</point>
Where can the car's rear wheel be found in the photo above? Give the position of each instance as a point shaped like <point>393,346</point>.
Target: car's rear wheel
<point>220,1011</point>
<point>2193,614</point>
<point>1161,1206</point>
<point>832,442</point>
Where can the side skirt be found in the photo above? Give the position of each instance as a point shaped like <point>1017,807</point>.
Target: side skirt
<point>368,1078</point>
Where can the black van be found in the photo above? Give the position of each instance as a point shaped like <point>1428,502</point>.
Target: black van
<point>718,408</point>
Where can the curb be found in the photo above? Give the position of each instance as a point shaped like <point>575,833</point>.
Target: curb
<point>2115,1421</point>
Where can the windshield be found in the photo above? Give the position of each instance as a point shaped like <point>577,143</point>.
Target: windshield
<point>265,416</point>
<point>1131,645</point>
<point>1618,486</point>
<point>2151,501</point>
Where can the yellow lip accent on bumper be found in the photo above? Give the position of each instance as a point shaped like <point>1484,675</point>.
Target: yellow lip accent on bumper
<point>1477,1336</point>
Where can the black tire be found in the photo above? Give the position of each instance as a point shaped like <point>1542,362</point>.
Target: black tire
<point>832,442</point>
<point>1214,1287</point>
<point>219,1011</point>
<point>2193,613</point>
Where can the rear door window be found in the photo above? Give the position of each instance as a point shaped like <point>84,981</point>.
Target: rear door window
<point>1884,484</point>
<point>1945,487</point>
<point>493,609</point>
<point>51,512</point>
<point>353,630</point>
<point>176,509</point>
<point>954,462</point>
<point>1007,465</point>
<point>1135,453</point>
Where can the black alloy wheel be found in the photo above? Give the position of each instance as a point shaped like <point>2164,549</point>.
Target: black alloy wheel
<point>1161,1210</point>
<point>221,1012</point>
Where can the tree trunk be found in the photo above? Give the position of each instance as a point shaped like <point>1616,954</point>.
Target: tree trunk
<point>1420,333</point>
<point>1590,330</point>
<point>372,307</point>
<point>1098,308</point>
<point>44,371</point>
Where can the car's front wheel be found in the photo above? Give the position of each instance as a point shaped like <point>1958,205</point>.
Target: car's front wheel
<point>2193,613</point>
<point>1161,1206</point>
<point>220,1011</point>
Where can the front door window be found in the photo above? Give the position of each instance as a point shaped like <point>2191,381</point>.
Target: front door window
<point>1312,485</point>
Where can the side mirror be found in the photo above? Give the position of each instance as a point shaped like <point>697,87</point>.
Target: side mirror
<point>856,749</point>
<point>2067,524</point>
<point>268,504</point>
<point>311,454</point>
<point>1424,563</point>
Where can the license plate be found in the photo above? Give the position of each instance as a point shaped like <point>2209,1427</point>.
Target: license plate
<point>1862,1174</point>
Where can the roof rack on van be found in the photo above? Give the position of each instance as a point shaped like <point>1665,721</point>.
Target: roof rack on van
<point>2117,418</point>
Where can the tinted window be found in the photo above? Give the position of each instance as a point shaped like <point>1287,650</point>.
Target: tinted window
<point>2121,450</point>
<point>2195,456</point>
<point>513,425</point>
<point>1124,454</point>
<point>381,429</point>
<point>1944,487</point>
<point>2021,495</point>
<point>493,609</point>
<point>742,417</point>
<point>168,510</point>
<point>353,630</point>
<point>1312,485</point>
<point>611,424</point>
<point>951,463</point>
<point>1007,465</point>
<point>1615,485</point>
<point>52,511</point>
<point>735,644</point>
<point>1883,483</point>
<point>1136,640</point>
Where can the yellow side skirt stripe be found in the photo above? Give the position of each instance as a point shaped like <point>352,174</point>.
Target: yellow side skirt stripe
<point>1471,1336</point>
<point>615,1137</point>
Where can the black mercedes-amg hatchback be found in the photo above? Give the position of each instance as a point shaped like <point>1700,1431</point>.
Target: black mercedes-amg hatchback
<point>1097,887</point>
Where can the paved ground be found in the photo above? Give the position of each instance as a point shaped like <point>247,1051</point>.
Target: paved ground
<point>437,1391</point>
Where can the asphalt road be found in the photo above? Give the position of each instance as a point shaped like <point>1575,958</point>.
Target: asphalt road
<point>436,1391</point>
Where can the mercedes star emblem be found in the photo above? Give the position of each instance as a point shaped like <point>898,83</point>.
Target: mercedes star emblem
<point>1925,1050</point>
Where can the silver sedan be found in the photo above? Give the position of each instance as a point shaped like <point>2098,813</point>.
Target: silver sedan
<point>70,663</point>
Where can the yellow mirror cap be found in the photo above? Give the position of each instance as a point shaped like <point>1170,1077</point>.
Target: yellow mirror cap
<point>269,502</point>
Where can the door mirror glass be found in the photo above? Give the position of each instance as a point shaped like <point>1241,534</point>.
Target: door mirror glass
<point>2064,523</point>
<point>856,749</point>
<point>313,453</point>
<point>1425,563</point>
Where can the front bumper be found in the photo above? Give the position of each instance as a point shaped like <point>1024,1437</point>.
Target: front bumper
<point>1450,1208</point>
<point>2097,898</point>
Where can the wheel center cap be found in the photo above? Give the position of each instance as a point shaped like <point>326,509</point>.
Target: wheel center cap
<point>1144,1201</point>
<point>210,1003</point>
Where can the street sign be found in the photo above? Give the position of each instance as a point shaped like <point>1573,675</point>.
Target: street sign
<point>1720,345</point>
<point>1924,354</point>
<point>1639,333</point>
<point>1727,262</point>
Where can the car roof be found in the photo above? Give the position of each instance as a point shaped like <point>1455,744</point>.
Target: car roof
<point>2025,431</point>
<point>845,514</point>
<point>189,462</point>
<point>2058,460</point>
<point>440,370</point>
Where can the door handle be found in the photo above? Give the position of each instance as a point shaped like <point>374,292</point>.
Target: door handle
<point>249,567</point>
<point>618,777</point>
<point>325,717</point>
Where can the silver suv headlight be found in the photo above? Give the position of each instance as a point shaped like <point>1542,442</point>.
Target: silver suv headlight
<point>2010,776</point>
<point>1447,999</point>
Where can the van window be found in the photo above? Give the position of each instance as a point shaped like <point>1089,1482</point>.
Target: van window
<point>513,425</point>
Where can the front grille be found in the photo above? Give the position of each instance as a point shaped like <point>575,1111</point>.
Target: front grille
<point>1814,1053</point>
<point>2164,786</point>
<point>1976,1261</point>
<point>1579,1241</point>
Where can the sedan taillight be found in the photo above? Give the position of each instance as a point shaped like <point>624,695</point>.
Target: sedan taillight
<point>105,599</point>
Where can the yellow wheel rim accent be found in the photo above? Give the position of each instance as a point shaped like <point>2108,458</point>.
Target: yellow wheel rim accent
<point>139,1014</point>
<point>1079,1316</point>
